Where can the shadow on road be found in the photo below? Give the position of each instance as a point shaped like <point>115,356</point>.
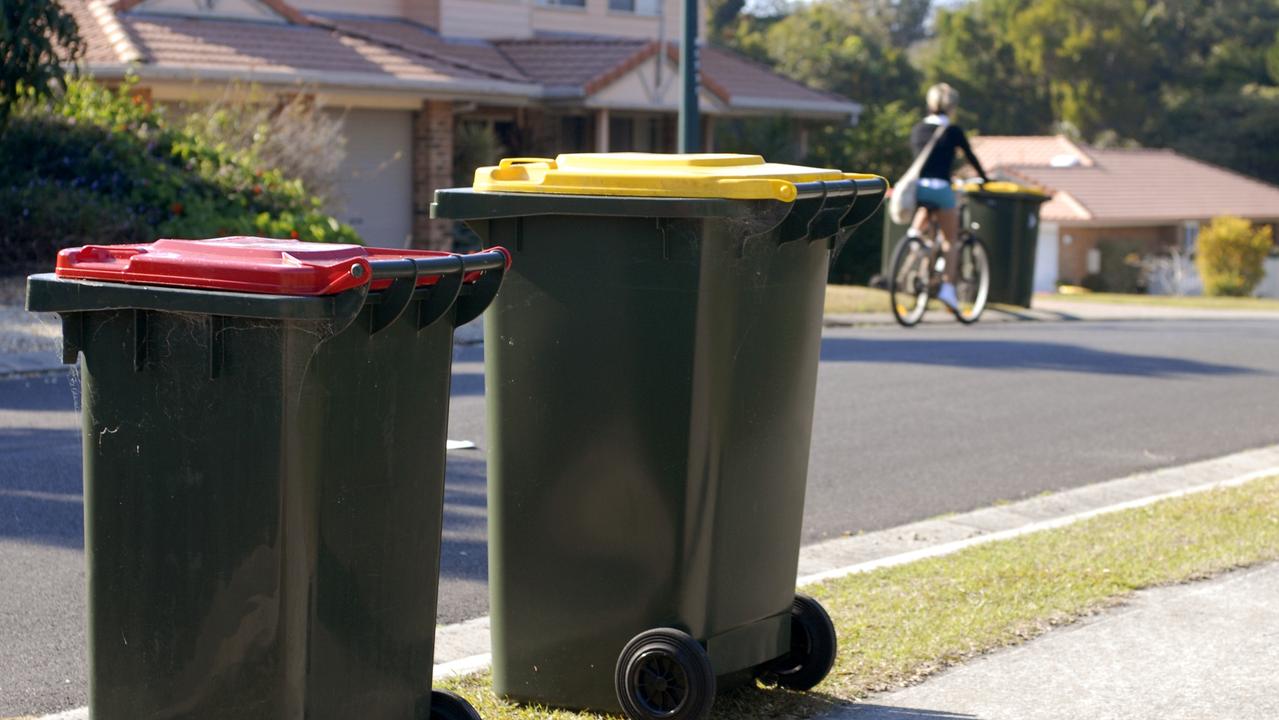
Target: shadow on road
<point>467,383</point>
<point>1016,355</point>
<point>465,551</point>
<point>867,711</point>
<point>40,489</point>
<point>50,392</point>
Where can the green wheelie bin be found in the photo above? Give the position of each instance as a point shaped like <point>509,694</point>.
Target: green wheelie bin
<point>1005,216</point>
<point>651,368</point>
<point>264,436</point>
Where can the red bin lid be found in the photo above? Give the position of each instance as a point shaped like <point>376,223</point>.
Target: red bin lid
<point>239,264</point>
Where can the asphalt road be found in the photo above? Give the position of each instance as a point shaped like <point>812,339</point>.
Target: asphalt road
<point>909,425</point>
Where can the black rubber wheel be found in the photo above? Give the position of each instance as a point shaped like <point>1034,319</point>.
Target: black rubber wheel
<point>447,706</point>
<point>664,674</point>
<point>812,647</point>
<point>973,286</point>
<point>908,283</point>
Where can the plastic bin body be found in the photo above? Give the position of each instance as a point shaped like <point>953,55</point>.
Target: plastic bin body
<point>893,234</point>
<point>1007,221</point>
<point>263,499</point>
<point>649,421</point>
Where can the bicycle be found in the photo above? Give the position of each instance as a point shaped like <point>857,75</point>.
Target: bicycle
<point>918,265</point>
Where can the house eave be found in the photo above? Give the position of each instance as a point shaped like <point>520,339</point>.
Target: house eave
<point>469,89</point>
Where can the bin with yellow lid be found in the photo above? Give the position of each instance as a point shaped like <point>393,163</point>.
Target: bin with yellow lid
<point>1005,215</point>
<point>651,366</point>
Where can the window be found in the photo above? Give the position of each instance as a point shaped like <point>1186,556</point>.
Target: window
<point>563,3</point>
<point>639,7</point>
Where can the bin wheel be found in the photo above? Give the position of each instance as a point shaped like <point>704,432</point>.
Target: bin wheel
<point>664,674</point>
<point>447,706</point>
<point>812,648</point>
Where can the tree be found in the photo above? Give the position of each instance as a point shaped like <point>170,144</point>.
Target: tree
<point>1272,60</point>
<point>975,55</point>
<point>835,47</point>
<point>36,37</point>
<point>723,13</point>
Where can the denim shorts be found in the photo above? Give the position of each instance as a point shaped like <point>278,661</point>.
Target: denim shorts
<point>939,197</point>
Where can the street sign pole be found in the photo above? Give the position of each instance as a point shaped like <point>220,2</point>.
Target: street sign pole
<point>689,122</point>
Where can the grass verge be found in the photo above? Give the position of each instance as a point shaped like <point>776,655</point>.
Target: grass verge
<point>899,625</point>
<point>1203,303</point>
<point>854,299</point>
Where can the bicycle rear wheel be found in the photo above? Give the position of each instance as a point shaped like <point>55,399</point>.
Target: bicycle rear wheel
<point>908,284</point>
<point>973,281</point>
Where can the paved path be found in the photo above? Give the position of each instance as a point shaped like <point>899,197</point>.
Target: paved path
<point>909,425</point>
<point>1188,652</point>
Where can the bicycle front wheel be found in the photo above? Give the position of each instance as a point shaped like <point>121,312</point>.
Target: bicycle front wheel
<point>908,284</point>
<point>972,284</point>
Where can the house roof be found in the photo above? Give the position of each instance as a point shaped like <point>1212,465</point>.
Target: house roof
<point>399,55</point>
<point>1127,186</point>
<point>584,65</point>
<point>570,64</point>
<point>1040,150</point>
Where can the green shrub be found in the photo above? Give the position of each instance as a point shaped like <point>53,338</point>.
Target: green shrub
<point>98,166</point>
<point>1231,256</point>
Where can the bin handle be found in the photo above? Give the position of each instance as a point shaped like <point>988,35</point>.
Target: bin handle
<point>452,269</point>
<point>511,162</point>
<point>485,288</point>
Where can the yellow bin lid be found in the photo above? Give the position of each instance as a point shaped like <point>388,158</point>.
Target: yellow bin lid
<point>705,175</point>
<point>1003,187</point>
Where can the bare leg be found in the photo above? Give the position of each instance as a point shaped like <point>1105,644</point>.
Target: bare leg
<point>920,223</point>
<point>948,224</point>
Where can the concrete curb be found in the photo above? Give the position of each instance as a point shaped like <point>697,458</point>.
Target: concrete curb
<point>463,648</point>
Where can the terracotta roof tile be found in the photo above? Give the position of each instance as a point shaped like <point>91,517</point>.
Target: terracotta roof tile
<point>99,45</point>
<point>1148,185</point>
<point>321,44</point>
<point>1002,150</point>
<point>476,55</point>
<point>262,47</point>
<point>568,62</point>
<point>741,77</point>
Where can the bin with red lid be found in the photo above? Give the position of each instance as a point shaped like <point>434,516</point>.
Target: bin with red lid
<point>264,434</point>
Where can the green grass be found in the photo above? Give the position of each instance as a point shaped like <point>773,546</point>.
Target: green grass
<point>1207,303</point>
<point>899,625</point>
<point>856,299</point>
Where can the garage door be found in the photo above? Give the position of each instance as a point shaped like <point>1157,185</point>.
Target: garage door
<point>376,184</point>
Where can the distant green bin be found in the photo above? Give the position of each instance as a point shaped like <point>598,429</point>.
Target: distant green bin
<point>651,368</point>
<point>1005,216</point>
<point>264,445</point>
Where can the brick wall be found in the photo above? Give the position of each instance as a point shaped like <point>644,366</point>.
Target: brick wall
<point>432,170</point>
<point>1073,257</point>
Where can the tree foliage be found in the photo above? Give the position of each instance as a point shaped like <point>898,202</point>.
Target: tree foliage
<point>99,166</point>
<point>36,37</point>
<point>1199,76</point>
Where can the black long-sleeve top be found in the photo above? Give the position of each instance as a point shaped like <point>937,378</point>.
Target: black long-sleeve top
<point>941,163</point>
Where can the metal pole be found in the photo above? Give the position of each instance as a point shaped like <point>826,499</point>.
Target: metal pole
<point>689,124</point>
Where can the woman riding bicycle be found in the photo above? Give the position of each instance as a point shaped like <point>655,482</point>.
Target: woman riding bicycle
<point>934,196</point>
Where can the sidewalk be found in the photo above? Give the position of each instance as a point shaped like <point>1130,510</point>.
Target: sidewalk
<point>1055,310</point>
<point>1197,651</point>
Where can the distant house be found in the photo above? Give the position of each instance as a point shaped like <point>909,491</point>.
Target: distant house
<point>546,75</point>
<point>1147,201</point>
